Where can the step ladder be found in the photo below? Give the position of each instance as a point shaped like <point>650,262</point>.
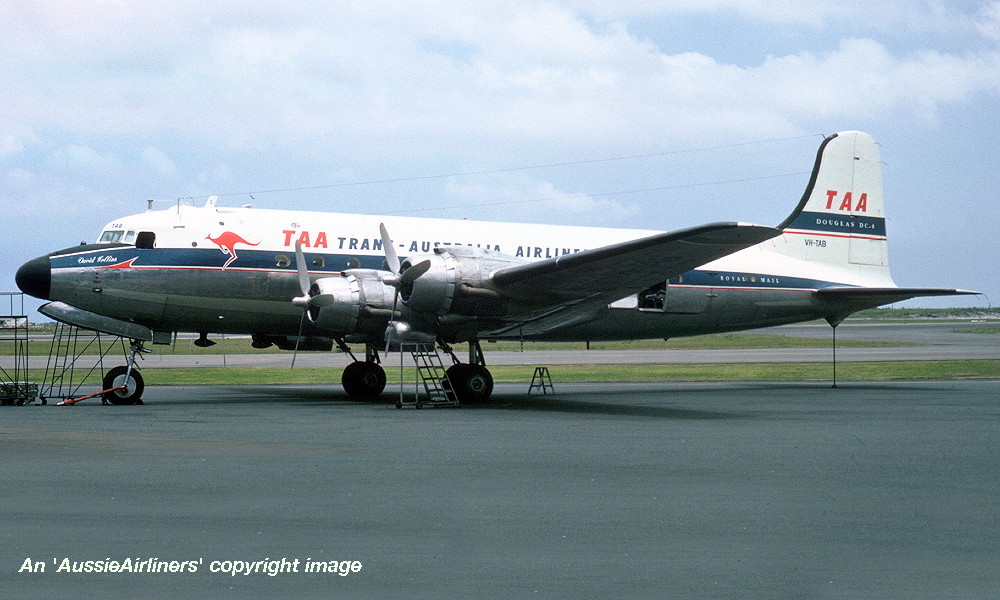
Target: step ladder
<point>70,345</point>
<point>541,380</point>
<point>432,374</point>
<point>15,389</point>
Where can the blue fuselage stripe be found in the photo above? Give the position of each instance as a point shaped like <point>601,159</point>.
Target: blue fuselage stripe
<point>844,224</point>
<point>284,262</point>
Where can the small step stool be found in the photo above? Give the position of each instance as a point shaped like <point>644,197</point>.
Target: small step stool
<point>541,380</point>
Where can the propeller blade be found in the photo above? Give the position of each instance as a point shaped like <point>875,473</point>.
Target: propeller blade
<point>391,258</point>
<point>302,322</point>
<point>303,269</point>
<point>409,275</point>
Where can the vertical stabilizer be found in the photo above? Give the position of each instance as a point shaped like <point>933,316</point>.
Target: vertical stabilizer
<point>840,220</point>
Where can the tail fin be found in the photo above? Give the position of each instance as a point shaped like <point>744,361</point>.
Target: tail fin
<point>840,220</point>
<point>838,229</point>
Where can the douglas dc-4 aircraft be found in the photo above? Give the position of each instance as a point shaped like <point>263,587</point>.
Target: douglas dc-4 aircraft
<point>309,280</point>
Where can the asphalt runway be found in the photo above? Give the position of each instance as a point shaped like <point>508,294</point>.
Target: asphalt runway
<point>691,490</point>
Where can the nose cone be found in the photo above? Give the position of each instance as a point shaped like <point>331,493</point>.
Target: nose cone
<point>35,277</point>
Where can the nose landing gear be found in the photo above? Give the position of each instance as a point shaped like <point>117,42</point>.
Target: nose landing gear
<point>124,384</point>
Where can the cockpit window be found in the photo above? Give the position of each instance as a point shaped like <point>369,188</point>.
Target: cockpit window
<point>130,237</point>
<point>145,239</point>
<point>111,236</point>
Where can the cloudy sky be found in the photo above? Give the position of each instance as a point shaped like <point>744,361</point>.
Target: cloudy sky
<point>656,114</point>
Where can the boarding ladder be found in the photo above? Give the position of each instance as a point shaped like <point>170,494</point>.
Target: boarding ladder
<point>69,345</point>
<point>15,389</point>
<point>431,373</point>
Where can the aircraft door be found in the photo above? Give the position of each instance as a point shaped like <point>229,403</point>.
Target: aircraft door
<point>675,298</point>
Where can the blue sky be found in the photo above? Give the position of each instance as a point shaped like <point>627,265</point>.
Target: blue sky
<point>714,107</point>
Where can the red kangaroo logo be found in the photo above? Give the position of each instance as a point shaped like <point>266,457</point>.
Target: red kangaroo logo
<point>227,243</point>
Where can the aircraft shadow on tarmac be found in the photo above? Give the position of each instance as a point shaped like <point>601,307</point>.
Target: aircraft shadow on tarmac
<point>620,403</point>
<point>662,401</point>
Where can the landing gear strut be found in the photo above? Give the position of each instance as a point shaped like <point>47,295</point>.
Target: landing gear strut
<point>363,378</point>
<point>472,381</point>
<point>124,382</point>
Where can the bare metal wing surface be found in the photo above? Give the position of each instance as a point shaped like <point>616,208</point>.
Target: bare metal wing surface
<point>611,272</point>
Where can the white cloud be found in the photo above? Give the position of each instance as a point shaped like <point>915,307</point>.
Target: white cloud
<point>989,22</point>
<point>408,89</point>
<point>862,79</point>
<point>519,197</point>
<point>389,77</point>
<point>158,161</point>
<point>83,159</point>
<point>10,144</point>
<point>870,15</point>
<point>18,179</point>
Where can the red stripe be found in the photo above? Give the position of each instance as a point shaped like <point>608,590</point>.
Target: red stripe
<point>835,235</point>
<point>720,287</point>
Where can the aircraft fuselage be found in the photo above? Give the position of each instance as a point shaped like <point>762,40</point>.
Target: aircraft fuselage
<point>233,271</point>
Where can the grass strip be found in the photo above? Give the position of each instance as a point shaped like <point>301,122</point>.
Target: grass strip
<point>848,371</point>
<point>719,341</point>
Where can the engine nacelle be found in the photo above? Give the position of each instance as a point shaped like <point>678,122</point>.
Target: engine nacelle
<point>457,280</point>
<point>433,291</point>
<point>361,300</point>
<point>351,302</point>
<point>335,303</point>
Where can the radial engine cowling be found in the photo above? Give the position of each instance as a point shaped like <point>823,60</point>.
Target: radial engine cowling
<point>335,303</point>
<point>433,291</point>
<point>456,282</point>
<point>351,302</point>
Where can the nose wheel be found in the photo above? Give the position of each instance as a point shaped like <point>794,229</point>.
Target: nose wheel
<point>124,384</point>
<point>124,387</point>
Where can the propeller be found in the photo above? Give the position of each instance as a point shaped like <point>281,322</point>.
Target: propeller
<point>307,301</point>
<point>402,279</point>
<point>391,259</point>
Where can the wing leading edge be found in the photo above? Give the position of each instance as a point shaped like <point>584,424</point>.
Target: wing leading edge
<point>611,272</point>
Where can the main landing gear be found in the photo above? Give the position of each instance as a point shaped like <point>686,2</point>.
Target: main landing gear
<point>363,378</point>
<point>124,384</point>
<point>472,381</point>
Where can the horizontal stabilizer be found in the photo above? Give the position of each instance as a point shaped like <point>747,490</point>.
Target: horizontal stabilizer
<point>615,271</point>
<point>879,296</point>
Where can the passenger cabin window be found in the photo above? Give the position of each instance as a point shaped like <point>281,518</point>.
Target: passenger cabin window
<point>111,236</point>
<point>145,239</point>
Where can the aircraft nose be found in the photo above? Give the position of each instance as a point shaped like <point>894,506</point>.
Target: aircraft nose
<point>35,277</point>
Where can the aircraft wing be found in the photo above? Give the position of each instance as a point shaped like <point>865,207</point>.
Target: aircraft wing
<point>612,272</point>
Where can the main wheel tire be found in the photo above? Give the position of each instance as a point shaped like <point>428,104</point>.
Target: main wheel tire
<point>363,379</point>
<point>134,386</point>
<point>473,384</point>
